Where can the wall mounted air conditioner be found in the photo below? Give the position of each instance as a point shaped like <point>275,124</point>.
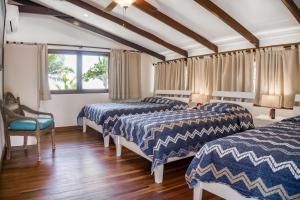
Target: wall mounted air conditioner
<point>12,18</point>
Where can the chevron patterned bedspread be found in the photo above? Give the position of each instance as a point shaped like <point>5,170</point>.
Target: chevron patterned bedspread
<point>177,133</point>
<point>106,114</point>
<point>263,163</point>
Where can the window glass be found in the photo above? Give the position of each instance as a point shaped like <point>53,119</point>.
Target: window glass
<point>77,71</point>
<point>62,71</point>
<point>94,72</point>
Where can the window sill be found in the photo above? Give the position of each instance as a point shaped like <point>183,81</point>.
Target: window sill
<point>78,91</point>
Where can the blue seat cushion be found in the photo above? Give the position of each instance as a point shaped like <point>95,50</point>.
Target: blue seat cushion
<point>29,125</point>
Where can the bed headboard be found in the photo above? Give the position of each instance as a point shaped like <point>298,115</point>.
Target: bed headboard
<point>297,107</point>
<point>235,97</point>
<point>181,95</point>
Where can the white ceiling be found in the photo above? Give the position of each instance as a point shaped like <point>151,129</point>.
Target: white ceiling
<point>268,20</point>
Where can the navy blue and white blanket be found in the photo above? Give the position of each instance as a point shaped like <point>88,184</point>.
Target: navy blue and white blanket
<point>106,114</point>
<point>177,133</point>
<point>263,163</point>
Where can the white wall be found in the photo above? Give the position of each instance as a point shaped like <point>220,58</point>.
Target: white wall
<point>21,79</point>
<point>21,73</point>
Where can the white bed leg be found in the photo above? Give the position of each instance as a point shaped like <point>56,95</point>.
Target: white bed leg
<point>159,173</point>
<point>198,192</point>
<point>106,141</point>
<point>118,146</point>
<point>84,125</point>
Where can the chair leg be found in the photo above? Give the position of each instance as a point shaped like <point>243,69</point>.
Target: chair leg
<point>38,140</point>
<point>25,142</point>
<point>8,148</point>
<point>53,139</point>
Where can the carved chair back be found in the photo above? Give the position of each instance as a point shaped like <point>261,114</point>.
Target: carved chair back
<point>11,104</point>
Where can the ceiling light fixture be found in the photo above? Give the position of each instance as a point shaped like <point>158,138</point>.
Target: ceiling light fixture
<point>85,15</point>
<point>125,3</point>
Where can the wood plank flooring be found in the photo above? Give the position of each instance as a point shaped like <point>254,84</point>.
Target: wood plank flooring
<point>82,169</point>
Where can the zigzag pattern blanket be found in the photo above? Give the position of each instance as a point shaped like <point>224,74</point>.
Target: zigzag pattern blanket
<point>106,114</point>
<point>263,163</point>
<point>177,133</point>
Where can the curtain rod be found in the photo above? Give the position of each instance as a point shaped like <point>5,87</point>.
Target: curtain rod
<point>288,45</point>
<point>63,45</point>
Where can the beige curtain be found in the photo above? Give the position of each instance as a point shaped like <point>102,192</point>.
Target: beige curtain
<point>277,73</point>
<point>200,77</point>
<point>234,72</point>
<point>229,72</point>
<point>42,68</point>
<point>170,75</point>
<point>124,75</point>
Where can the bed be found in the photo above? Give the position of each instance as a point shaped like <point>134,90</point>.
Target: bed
<point>263,163</point>
<point>169,136</point>
<point>102,117</point>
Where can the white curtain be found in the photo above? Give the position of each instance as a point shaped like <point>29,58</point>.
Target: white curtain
<point>229,72</point>
<point>42,68</point>
<point>200,77</point>
<point>278,73</point>
<point>234,72</point>
<point>170,75</point>
<point>124,75</point>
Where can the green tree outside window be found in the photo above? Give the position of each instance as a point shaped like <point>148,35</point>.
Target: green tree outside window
<point>98,71</point>
<point>64,77</point>
<point>59,72</point>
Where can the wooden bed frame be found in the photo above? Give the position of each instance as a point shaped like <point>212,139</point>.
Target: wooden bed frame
<point>244,99</point>
<point>182,95</point>
<point>297,108</point>
<point>223,190</point>
<point>158,171</point>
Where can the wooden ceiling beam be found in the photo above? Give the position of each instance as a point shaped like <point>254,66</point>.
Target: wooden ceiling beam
<point>290,4</point>
<point>110,7</point>
<point>129,26</point>
<point>39,10</point>
<point>154,12</point>
<point>12,2</point>
<point>235,25</point>
<point>22,2</point>
<point>48,11</point>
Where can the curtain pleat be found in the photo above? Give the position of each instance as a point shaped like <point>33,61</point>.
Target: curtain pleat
<point>277,73</point>
<point>170,75</point>
<point>124,75</point>
<point>42,69</point>
<point>229,72</point>
<point>200,76</point>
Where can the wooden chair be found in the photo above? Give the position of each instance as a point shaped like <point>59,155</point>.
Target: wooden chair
<point>17,124</point>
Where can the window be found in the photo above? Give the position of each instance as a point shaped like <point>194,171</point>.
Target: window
<point>77,71</point>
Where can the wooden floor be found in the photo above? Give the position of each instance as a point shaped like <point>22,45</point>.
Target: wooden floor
<point>82,169</point>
